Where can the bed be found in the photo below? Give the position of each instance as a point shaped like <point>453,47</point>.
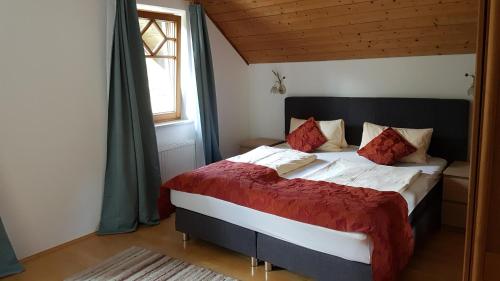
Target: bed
<point>346,256</point>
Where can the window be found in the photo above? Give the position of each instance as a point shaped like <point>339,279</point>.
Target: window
<point>161,37</point>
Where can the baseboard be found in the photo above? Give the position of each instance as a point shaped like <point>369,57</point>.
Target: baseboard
<point>56,248</point>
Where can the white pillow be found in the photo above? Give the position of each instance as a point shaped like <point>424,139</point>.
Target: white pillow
<point>420,138</point>
<point>333,131</point>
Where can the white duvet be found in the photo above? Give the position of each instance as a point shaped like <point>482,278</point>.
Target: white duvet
<point>340,171</point>
<point>355,174</point>
<point>280,159</point>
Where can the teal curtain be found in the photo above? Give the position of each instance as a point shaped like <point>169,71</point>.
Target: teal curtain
<point>205,83</point>
<point>8,261</point>
<point>132,179</point>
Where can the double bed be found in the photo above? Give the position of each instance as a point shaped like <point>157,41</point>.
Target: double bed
<point>350,246</point>
<point>319,252</point>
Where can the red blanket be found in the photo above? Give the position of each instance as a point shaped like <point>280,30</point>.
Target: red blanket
<point>383,216</point>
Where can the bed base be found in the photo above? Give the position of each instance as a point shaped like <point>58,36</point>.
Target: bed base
<point>426,217</point>
<point>425,220</point>
<point>314,264</point>
<point>224,234</point>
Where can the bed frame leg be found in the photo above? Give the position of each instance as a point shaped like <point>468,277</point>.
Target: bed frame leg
<point>185,237</point>
<point>254,261</point>
<point>268,266</point>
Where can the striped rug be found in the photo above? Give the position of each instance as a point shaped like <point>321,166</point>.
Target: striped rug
<point>138,263</point>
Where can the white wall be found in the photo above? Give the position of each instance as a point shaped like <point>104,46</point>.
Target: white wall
<point>423,77</point>
<point>52,119</point>
<point>232,86</point>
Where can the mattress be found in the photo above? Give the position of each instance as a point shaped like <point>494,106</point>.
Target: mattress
<point>347,245</point>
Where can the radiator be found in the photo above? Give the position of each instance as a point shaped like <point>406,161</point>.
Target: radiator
<point>176,158</point>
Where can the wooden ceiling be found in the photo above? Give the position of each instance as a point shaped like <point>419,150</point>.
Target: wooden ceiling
<point>264,31</point>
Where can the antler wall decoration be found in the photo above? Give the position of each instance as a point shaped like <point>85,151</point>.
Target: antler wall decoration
<point>279,86</point>
<point>472,87</point>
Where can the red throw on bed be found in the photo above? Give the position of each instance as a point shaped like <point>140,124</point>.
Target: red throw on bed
<point>383,216</point>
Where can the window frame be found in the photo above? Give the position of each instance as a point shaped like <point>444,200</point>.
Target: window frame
<point>169,116</point>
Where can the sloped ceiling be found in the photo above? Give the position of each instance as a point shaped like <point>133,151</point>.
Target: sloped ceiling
<point>265,31</point>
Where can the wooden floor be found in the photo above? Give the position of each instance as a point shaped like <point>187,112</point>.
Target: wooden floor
<point>440,259</point>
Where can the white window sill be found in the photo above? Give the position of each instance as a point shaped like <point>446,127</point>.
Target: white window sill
<point>173,123</point>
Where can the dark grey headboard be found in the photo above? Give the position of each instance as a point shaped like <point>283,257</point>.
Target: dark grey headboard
<point>448,117</point>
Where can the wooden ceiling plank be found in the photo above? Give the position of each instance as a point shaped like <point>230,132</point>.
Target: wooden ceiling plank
<point>242,56</point>
<point>444,31</point>
<point>359,29</point>
<point>388,25</point>
<point>358,9</point>
<point>256,28</point>
<point>367,31</point>
<point>364,54</point>
<point>282,9</point>
<point>346,20</point>
<point>218,7</point>
<point>309,8</point>
<point>423,41</point>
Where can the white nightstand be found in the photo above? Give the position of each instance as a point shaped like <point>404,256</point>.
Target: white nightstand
<point>455,192</point>
<point>250,144</point>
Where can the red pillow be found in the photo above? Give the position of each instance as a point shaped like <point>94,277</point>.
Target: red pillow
<point>307,137</point>
<point>387,148</point>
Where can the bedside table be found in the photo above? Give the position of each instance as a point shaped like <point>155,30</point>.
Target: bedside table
<point>455,190</point>
<point>250,144</point>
